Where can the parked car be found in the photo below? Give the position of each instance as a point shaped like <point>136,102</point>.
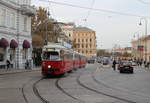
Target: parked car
<point>125,67</point>
<point>99,61</point>
<point>105,62</point>
<point>134,64</point>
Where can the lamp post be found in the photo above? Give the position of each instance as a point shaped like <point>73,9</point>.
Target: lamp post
<point>145,20</point>
<point>135,50</point>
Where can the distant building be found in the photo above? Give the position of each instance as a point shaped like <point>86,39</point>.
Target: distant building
<point>85,41</point>
<point>141,48</point>
<point>67,29</point>
<point>15,32</point>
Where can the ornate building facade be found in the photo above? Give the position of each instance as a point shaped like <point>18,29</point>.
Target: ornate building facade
<point>15,32</point>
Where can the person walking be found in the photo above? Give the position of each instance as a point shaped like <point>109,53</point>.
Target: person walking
<point>7,63</point>
<point>114,65</point>
<point>147,65</point>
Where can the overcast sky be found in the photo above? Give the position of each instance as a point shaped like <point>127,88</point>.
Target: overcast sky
<point>110,28</point>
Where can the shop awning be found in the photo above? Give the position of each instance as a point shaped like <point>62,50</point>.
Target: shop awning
<point>13,44</point>
<point>4,43</point>
<point>26,44</point>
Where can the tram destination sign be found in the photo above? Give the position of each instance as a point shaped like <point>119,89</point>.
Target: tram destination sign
<point>50,49</point>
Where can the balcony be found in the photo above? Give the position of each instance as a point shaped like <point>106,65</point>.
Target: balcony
<point>28,10</point>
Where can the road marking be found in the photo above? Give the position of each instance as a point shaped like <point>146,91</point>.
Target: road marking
<point>98,69</point>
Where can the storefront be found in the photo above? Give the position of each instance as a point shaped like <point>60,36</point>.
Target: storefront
<point>26,45</point>
<point>12,52</point>
<point>3,52</point>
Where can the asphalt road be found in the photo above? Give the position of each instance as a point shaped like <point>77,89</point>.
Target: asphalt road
<point>93,84</point>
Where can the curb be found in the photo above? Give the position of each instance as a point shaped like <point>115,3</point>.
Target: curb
<point>16,71</point>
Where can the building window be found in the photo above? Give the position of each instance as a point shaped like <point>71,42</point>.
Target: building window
<point>25,52</point>
<point>12,20</point>
<point>82,45</point>
<point>2,54</point>
<point>78,40</point>
<point>86,45</point>
<point>24,2</point>
<point>82,40</point>
<point>69,35</point>
<point>90,40</point>
<point>12,54</point>
<point>90,46</point>
<point>86,51</point>
<point>3,17</point>
<point>86,40</point>
<point>25,24</point>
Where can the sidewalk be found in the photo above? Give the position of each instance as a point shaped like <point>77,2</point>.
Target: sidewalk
<point>13,71</point>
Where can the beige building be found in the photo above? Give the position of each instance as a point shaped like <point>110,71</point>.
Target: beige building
<point>85,41</point>
<point>141,48</point>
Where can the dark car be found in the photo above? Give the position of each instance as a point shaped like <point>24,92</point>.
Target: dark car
<point>99,61</point>
<point>125,67</point>
<point>91,61</point>
<point>105,62</point>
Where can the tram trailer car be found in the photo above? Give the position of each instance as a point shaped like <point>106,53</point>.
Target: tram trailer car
<point>57,60</point>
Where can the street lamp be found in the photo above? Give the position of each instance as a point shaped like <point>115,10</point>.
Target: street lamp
<point>145,20</point>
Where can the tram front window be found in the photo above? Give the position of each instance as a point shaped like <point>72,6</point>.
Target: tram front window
<point>51,56</point>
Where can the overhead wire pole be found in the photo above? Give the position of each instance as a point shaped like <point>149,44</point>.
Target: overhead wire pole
<point>89,11</point>
<point>94,9</point>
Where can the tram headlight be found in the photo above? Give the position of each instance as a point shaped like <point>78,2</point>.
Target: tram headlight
<point>49,66</point>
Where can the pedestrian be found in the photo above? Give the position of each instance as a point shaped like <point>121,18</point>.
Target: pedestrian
<point>148,63</point>
<point>114,65</point>
<point>27,64</point>
<point>7,63</point>
<point>144,63</point>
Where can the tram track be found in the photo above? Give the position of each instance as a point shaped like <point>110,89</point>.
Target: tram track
<point>113,88</point>
<point>102,93</point>
<point>23,93</point>
<point>36,92</point>
<point>65,92</point>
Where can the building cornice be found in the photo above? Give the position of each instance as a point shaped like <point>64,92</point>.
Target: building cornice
<point>10,4</point>
<point>8,33</point>
<point>25,9</point>
<point>14,34</point>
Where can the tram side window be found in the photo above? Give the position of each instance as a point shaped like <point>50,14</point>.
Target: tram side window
<point>51,56</point>
<point>68,56</point>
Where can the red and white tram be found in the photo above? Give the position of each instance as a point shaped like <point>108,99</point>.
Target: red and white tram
<point>57,60</point>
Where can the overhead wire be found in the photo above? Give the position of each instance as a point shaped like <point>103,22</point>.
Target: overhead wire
<point>144,2</point>
<point>94,9</point>
<point>52,12</point>
<point>89,11</point>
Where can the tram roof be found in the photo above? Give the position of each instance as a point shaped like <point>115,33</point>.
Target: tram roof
<point>54,45</point>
